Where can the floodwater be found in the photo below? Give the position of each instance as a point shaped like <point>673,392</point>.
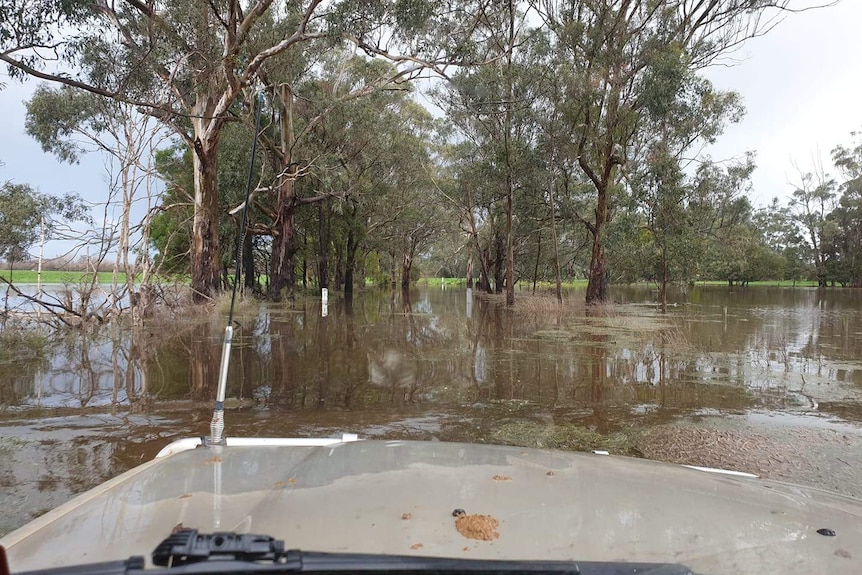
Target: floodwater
<point>765,380</point>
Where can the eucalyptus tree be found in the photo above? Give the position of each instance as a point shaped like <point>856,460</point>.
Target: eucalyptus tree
<point>776,225</point>
<point>475,194</point>
<point>171,227</point>
<point>192,65</point>
<point>406,212</point>
<point>459,182</point>
<point>811,202</point>
<point>69,122</point>
<point>172,222</point>
<point>781,236</point>
<point>26,215</point>
<point>741,252</point>
<point>336,139</point>
<point>354,152</point>
<point>547,111</point>
<point>737,249</point>
<point>681,112</point>
<point>661,192</point>
<point>491,108</point>
<point>847,215</point>
<point>606,52</point>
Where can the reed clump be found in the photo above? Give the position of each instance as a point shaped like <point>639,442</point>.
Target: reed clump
<point>546,304</point>
<point>566,436</point>
<point>542,303</point>
<point>22,342</point>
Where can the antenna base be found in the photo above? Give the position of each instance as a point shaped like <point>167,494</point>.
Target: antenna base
<point>216,429</point>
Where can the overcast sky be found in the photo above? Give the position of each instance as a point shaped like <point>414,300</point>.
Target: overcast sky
<point>801,85</point>
<point>802,88</point>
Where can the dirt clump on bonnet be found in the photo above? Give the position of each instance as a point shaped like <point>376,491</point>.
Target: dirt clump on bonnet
<point>481,527</point>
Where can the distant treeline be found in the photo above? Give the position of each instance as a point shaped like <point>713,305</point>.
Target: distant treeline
<point>60,264</point>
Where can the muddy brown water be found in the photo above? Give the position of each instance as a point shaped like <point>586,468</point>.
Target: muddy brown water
<point>765,380</point>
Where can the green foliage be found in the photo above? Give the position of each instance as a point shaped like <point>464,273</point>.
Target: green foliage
<point>25,25</point>
<point>55,115</point>
<point>24,351</point>
<point>374,271</point>
<point>23,212</point>
<point>630,249</point>
<point>171,233</point>
<point>583,122</point>
<point>171,227</point>
<point>60,277</point>
<point>845,249</point>
<point>19,344</point>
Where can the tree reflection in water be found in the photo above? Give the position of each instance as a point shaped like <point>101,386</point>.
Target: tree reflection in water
<point>424,364</point>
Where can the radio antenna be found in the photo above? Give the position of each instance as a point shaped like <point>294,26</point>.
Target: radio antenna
<point>217,424</point>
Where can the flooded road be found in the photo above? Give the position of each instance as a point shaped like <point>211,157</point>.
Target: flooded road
<point>765,380</point>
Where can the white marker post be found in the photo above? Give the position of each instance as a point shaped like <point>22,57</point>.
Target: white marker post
<point>324,302</point>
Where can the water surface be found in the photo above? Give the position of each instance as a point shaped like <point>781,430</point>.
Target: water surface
<point>767,380</point>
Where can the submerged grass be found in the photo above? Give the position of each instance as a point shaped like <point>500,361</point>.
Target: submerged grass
<point>565,436</point>
<point>535,304</point>
<point>764,452</point>
<point>765,283</point>
<point>546,303</point>
<point>23,343</point>
<point>610,325</point>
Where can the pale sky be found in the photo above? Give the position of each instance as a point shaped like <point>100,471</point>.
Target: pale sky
<point>801,85</point>
<point>802,88</point>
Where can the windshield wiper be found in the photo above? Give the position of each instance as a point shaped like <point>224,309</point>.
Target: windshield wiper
<point>188,552</point>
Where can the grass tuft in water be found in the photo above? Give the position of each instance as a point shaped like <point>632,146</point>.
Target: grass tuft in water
<point>19,343</point>
<point>565,436</point>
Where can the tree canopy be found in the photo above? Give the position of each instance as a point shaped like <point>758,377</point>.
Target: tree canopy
<point>26,214</point>
<point>569,147</point>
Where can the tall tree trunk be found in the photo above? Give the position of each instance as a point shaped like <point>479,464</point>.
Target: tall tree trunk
<point>205,238</point>
<point>470,269</point>
<point>407,263</point>
<point>284,242</point>
<point>305,260</point>
<point>485,277</point>
<point>510,185</point>
<point>338,280</point>
<point>597,285</point>
<point>554,240</point>
<point>499,258</point>
<point>249,278</point>
<point>536,267</point>
<point>821,268</point>
<point>662,292</point>
<point>474,235</point>
<point>128,269</point>
<point>406,266</point>
<point>8,287</point>
<point>350,261</point>
<point>510,250</point>
<point>323,246</point>
<point>205,258</point>
<point>393,276</point>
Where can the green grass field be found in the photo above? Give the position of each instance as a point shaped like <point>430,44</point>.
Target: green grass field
<point>436,282</point>
<point>69,277</point>
<point>58,277</point>
<point>767,283</point>
<point>523,284</point>
<point>546,285</point>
